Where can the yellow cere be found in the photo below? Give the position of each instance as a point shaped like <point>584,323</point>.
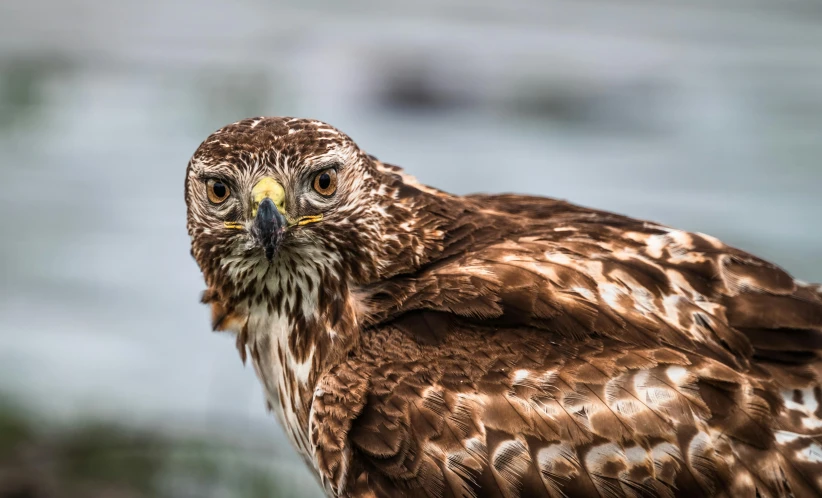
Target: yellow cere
<point>231,224</point>
<point>268,187</point>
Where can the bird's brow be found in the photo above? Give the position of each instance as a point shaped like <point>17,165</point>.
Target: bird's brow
<point>224,171</point>
<point>323,165</point>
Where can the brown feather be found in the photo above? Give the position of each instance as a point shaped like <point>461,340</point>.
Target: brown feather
<point>418,343</point>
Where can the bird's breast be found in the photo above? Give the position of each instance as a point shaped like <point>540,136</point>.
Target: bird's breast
<point>284,377</point>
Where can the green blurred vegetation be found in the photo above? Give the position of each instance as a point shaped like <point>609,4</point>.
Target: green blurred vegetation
<point>24,88</point>
<point>102,459</point>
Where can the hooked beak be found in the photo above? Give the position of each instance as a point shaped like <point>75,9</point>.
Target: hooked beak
<point>269,216</point>
<point>268,208</point>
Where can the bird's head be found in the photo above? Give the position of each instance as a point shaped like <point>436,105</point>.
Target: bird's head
<point>272,197</point>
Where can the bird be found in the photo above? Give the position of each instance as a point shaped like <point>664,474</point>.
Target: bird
<point>414,342</point>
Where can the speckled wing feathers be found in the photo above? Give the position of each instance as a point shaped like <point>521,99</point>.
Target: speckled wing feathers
<point>559,351</point>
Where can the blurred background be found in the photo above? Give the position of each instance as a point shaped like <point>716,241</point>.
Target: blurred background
<point>705,114</point>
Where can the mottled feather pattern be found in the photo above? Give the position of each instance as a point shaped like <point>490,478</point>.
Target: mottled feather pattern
<point>417,343</point>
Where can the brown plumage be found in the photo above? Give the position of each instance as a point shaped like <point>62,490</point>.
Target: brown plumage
<point>417,343</point>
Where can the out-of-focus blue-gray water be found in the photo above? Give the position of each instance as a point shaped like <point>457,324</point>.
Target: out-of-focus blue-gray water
<point>704,115</point>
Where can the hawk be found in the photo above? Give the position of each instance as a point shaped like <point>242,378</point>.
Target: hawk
<point>418,343</point>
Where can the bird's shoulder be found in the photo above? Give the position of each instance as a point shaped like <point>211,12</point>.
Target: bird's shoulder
<point>577,272</point>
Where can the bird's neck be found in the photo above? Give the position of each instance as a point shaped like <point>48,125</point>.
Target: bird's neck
<point>418,224</point>
<point>302,321</point>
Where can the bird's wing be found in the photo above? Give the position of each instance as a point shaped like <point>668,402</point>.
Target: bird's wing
<point>578,272</point>
<point>504,412</point>
<point>569,352</point>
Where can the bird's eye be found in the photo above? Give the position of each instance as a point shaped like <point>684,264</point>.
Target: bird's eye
<point>217,191</point>
<point>325,183</point>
